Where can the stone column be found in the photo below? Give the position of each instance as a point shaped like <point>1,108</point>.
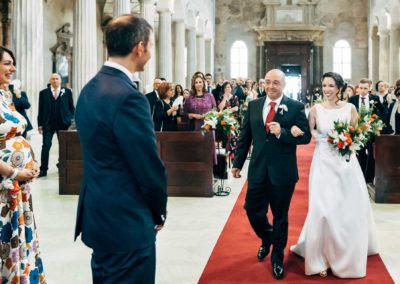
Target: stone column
<point>374,67</point>
<point>191,55</point>
<point>122,7</point>
<point>384,56</point>
<point>165,45</point>
<point>394,54</point>
<point>27,44</point>
<point>148,75</point>
<point>84,44</point>
<point>209,66</point>
<point>200,52</point>
<point>179,74</point>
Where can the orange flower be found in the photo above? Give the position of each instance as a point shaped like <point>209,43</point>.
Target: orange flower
<point>340,145</point>
<point>374,115</point>
<point>220,114</point>
<point>17,146</point>
<point>223,122</point>
<point>351,128</point>
<point>365,126</point>
<point>349,141</point>
<point>207,127</point>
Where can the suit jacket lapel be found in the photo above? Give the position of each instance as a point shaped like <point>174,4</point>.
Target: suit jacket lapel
<point>258,111</point>
<point>278,116</point>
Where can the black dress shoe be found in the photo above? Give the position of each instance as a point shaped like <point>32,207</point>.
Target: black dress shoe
<point>263,251</point>
<point>277,270</point>
<point>42,174</point>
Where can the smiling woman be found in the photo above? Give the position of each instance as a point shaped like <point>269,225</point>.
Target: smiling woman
<point>21,261</point>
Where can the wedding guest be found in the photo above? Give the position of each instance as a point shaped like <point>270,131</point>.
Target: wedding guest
<point>20,252</point>
<point>165,113</point>
<point>227,100</point>
<point>21,103</point>
<point>56,111</point>
<point>198,103</point>
<point>394,113</point>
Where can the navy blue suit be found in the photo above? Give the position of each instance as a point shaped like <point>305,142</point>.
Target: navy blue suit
<point>123,194</point>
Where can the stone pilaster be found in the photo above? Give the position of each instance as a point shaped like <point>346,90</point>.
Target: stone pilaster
<point>191,55</point>
<point>384,55</point>
<point>200,45</point>
<point>179,49</point>
<point>148,75</point>
<point>165,44</point>
<point>122,7</point>
<point>84,44</point>
<point>394,54</point>
<point>27,43</point>
<point>209,55</point>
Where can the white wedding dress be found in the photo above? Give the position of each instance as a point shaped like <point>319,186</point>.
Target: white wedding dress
<point>339,231</point>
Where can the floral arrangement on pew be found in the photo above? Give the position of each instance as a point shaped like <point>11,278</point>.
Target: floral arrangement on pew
<point>223,122</point>
<point>367,117</point>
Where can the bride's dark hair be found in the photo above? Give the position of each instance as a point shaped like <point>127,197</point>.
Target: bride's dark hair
<point>340,83</point>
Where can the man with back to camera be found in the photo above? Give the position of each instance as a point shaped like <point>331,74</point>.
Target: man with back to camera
<point>123,197</point>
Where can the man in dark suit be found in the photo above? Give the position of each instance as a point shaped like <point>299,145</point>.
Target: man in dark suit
<point>56,111</point>
<point>365,155</point>
<point>123,197</point>
<point>261,88</point>
<point>153,97</point>
<point>21,103</point>
<point>273,170</point>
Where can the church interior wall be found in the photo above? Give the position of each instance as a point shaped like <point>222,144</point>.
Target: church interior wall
<point>55,14</point>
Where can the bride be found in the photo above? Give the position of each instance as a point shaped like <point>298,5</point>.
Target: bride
<point>339,231</point>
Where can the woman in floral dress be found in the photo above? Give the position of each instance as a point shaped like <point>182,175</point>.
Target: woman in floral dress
<point>19,247</point>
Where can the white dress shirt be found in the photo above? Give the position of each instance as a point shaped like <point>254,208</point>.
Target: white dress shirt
<point>366,101</point>
<point>267,107</point>
<point>123,69</point>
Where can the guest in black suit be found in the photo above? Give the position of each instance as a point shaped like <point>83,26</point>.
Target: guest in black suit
<point>21,103</point>
<point>273,167</point>
<point>365,154</point>
<point>123,197</point>
<point>394,113</point>
<point>153,96</point>
<point>261,89</point>
<point>56,111</point>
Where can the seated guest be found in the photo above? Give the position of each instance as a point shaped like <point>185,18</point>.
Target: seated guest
<point>198,103</point>
<point>394,113</point>
<point>164,112</point>
<point>227,100</point>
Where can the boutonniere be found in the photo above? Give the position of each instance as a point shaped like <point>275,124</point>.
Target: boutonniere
<point>62,92</point>
<point>283,108</point>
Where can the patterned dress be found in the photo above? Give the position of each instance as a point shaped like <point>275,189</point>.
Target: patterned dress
<point>19,246</point>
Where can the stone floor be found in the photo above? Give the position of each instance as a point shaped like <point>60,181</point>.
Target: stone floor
<point>183,246</point>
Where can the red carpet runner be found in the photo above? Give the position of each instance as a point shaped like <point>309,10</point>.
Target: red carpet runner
<point>234,260</point>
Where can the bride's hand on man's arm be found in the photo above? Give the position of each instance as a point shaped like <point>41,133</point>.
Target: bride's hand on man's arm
<point>236,172</point>
<point>296,131</point>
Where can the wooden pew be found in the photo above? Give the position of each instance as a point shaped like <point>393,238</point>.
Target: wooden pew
<point>387,169</point>
<point>187,157</point>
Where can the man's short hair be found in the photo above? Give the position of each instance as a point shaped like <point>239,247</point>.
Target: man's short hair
<point>124,33</point>
<point>366,81</point>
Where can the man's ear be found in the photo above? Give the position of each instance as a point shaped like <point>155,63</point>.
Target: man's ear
<point>139,49</point>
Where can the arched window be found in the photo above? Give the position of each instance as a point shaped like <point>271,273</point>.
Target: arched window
<point>342,58</point>
<point>239,59</point>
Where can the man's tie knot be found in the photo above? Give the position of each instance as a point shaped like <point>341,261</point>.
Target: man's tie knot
<point>363,100</point>
<point>272,105</point>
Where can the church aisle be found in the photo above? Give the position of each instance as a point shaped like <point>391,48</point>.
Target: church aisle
<point>183,246</point>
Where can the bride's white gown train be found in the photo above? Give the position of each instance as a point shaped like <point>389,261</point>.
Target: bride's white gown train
<point>339,231</point>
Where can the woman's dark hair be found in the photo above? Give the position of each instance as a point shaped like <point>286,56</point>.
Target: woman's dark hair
<point>201,76</point>
<point>180,93</point>
<point>377,85</point>
<point>397,92</point>
<point>226,84</point>
<point>125,32</point>
<point>340,83</point>
<point>4,49</point>
<point>163,89</point>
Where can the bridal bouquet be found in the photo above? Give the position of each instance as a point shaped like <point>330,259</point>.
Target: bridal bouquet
<point>370,121</point>
<point>348,139</point>
<point>221,121</point>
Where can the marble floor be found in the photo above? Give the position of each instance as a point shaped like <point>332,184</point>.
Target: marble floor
<point>183,246</point>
